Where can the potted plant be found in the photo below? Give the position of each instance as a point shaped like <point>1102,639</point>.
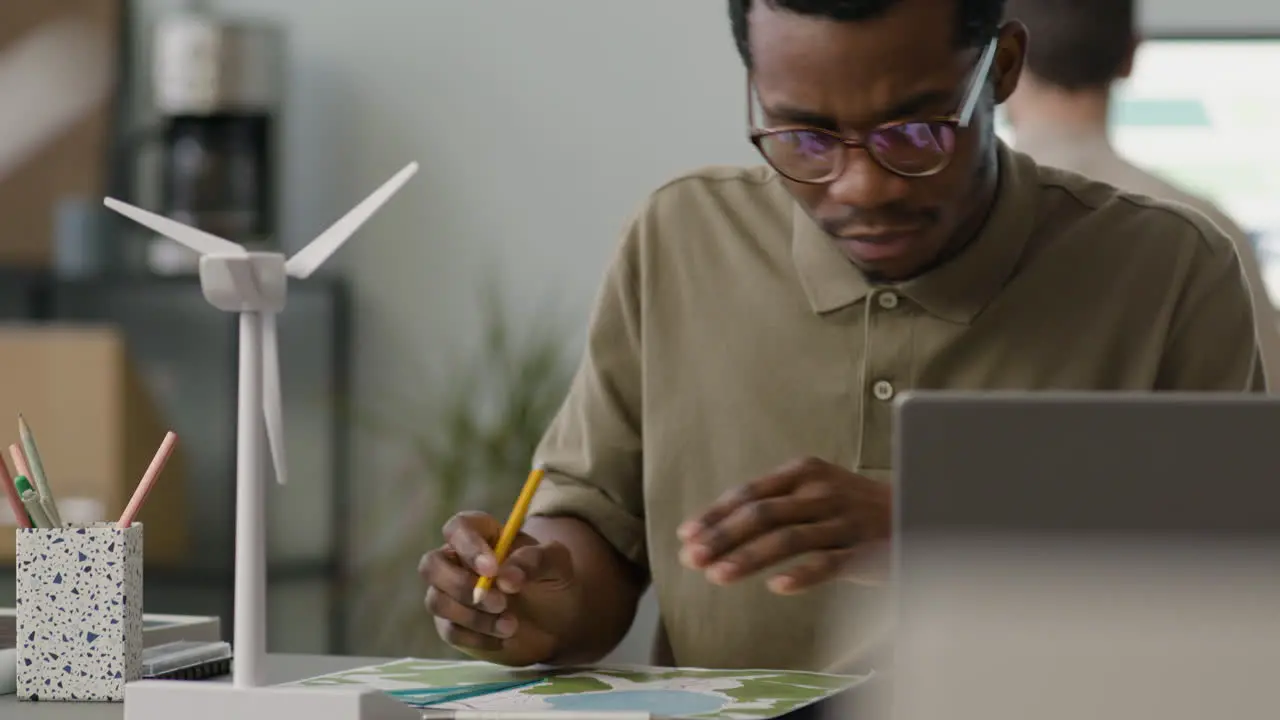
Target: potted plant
<point>468,447</point>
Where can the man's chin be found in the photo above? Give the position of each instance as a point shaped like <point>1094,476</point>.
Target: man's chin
<point>892,260</point>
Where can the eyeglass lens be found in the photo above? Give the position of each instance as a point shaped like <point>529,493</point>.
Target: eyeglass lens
<point>909,148</point>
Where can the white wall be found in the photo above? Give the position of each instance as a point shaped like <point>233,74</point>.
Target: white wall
<point>539,126</point>
<point>1191,16</point>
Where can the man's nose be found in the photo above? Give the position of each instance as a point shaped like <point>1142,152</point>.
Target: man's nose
<point>865,184</point>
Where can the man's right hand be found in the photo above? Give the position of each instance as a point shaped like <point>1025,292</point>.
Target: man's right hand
<point>531,606</point>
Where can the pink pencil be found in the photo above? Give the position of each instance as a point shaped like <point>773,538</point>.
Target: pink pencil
<point>11,492</point>
<point>148,480</point>
<point>19,461</point>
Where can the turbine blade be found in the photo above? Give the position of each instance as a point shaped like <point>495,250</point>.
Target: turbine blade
<point>272,403</point>
<point>311,257</point>
<point>198,240</point>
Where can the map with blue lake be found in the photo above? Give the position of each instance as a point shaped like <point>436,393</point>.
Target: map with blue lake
<point>672,692</point>
<point>675,703</point>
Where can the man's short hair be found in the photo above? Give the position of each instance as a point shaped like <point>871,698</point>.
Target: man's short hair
<point>976,20</point>
<point>1076,44</point>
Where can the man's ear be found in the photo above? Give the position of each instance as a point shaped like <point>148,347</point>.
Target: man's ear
<point>1126,67</point>
<point>1011,54</point>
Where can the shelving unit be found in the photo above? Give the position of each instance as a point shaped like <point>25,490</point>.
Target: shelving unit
<point>186,355</point>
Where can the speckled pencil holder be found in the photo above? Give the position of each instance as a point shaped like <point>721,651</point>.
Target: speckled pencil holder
<point>79,612</point>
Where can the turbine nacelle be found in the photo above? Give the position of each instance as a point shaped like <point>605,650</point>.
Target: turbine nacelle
<point>248,282</point>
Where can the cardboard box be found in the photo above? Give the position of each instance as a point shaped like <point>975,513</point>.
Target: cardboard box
<point>59,75</point>
<point>96,429</point>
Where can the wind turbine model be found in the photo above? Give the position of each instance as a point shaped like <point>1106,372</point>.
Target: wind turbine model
<point>253,284</point>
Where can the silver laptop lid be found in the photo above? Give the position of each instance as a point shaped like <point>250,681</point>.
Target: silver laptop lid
<point>1063,556</point>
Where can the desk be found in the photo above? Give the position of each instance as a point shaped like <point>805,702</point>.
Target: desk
<point>280,669</point>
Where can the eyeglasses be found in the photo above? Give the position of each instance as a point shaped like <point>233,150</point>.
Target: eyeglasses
<point>911,148</point>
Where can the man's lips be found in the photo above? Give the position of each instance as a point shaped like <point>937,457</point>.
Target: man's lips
<point>881,246</point>
<point>881,236</point>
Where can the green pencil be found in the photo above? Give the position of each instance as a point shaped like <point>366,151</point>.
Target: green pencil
<point>37,472</point>
<point>18,487</point>
<point>31,501</point>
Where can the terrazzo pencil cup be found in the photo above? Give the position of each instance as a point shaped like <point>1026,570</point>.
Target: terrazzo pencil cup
<point>79,612</point>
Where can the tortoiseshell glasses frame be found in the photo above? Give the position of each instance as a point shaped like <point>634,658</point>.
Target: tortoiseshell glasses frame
<point>908,148</point>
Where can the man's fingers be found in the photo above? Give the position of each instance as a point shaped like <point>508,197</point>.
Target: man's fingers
<point>866,564</point>
<point>776,546</point>
<point>750,521</point>
<point>466,533</point>
<point>446,608</point>
<point>442,571</point>
<point>460,637</point>
<point>813,570</point>
<point>779,482</point>
<point>548,563</point>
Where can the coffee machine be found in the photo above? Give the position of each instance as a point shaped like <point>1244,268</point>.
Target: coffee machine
<point>217,87</point>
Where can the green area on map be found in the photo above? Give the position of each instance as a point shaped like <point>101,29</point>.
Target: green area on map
<point>429,674</point>
<point>770,692</point>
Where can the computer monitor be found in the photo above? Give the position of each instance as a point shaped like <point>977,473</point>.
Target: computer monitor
<point>1202,112</point>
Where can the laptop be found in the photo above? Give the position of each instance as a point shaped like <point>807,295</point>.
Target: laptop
<point>1086,555</point>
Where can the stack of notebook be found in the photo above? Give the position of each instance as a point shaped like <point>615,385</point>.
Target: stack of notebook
<point>156,630</point>
<point>8,655</point>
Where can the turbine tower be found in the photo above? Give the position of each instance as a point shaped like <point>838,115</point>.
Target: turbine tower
<point>254,285</point>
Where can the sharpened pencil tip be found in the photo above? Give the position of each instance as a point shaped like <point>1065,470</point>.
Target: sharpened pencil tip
<point>477,596</point>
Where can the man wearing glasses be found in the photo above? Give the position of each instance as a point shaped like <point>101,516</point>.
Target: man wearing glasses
<point>727,436</point>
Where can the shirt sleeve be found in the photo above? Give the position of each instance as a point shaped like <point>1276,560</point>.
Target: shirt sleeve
<point>1212,344</point>
<point>592,449</point>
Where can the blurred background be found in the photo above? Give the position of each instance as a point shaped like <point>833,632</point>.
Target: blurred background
<point>420,370</point>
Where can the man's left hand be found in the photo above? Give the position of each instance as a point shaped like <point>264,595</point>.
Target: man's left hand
<point>812,508</point>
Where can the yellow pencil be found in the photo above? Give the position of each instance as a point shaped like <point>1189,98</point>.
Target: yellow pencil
<point>515,521</point>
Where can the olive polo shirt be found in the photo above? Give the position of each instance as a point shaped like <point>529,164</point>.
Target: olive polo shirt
<point>731,336</point>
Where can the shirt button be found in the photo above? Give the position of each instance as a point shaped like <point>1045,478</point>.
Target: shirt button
<point>883,390</point>
<point>888,300</point>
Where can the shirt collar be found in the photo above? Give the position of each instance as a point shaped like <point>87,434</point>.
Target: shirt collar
<point>956,291</point>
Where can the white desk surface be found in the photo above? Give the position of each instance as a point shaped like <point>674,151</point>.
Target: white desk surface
<point>280,669</point>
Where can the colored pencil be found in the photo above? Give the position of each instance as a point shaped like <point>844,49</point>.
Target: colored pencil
<point>37,475</point>
<point>19,461</point>
<point>515,522</point>
<point>31,499</point>
<point>22,470</point>
<point>10,491</point>
<point>148,480</point>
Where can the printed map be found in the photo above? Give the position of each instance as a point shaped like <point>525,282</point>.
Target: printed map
<point>675,692</point>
